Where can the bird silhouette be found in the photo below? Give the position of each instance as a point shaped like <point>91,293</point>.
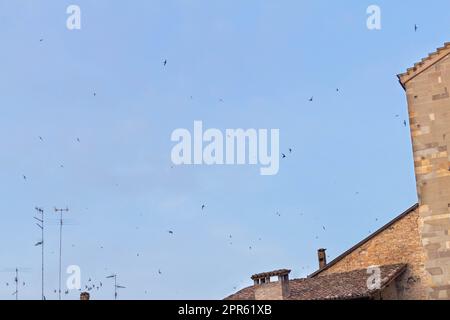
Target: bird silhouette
<point>311,99</point>
<point>283,155</point>
<point>416,27</point>
<point>41,40</point>
<point>78,140</point>
<point>404,123</point>
<point>40,138</point>
<point>203,206</point>
<point>159,271</point>
<point>170,232</point>
<point>165,62</point>
<point>290,150</point>
<point>38,243</point>
<point>24,177</point>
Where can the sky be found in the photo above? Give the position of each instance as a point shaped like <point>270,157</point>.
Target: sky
<point>105,107</point>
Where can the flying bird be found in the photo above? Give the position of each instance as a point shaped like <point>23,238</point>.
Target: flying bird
<point>311,99</point>
<point>41,40</point>
<point>40,138</point>
<point>78,140</point>
<point>416,27</point>
<point>24,177</point>
<point>165,62</point>
<point>170,232</point>
<point>203,206</point>
<point>404,123</point>
<point>159,271</point>
<point>290,150</point>
<point>38,243</point>
<point>283,155</point>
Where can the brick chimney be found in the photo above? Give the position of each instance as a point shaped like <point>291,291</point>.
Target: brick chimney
<point>265,289</point>
<point>321,253</point>
<point>427,87</point>
<point>85,296</point>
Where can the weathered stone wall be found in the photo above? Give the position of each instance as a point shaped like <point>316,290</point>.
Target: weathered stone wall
<point>429,109</point>
<point>400,243</point>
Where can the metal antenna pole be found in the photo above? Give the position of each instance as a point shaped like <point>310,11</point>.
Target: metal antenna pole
<point>60,211</point>
<point>116,286</point>
<point>41,226</point>
<point>16,279</point>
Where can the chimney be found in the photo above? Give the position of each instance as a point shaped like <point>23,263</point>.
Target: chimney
<point>321,253</point>
<point>85,296</point>
<point>265,289</point>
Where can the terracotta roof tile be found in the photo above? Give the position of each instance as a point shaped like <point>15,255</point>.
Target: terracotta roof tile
<point>337,286</point>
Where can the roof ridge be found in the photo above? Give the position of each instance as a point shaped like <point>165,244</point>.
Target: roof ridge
<point>424,64</point>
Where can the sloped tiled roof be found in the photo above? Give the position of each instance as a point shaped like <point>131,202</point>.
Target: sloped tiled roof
<point>424,64</point>
<point>337,286</point>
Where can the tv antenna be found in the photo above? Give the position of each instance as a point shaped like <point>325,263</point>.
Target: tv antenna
<point>16,271</point>
<point>40,224</point>
<point>116,286</point>
<point>60,211</point>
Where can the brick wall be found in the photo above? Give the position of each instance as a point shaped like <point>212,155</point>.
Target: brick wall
<point>398,244</point>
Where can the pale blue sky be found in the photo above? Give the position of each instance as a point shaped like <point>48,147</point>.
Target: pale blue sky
<point>351,170</point>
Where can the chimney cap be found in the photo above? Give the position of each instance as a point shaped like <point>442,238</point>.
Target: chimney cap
<point>276,273</point>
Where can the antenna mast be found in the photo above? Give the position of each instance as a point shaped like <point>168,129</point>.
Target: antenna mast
<point>40,224</point>
<point>60,211</point>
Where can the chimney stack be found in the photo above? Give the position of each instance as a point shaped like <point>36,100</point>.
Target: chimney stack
<point>85,296</point>
<point>322,258</point>
<point>267,290</point>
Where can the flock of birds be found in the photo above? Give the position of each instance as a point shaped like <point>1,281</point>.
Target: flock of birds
<point>99,285</point>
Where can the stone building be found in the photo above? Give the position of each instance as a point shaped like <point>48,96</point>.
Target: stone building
<point>409,257</point>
